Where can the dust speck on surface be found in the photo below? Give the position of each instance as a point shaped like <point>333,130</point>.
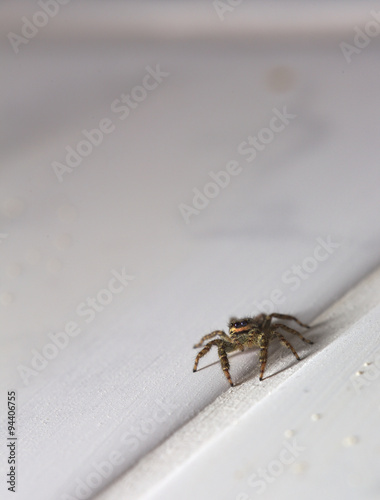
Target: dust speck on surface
<point>281,78</point>
<point>349,441</point>
<point>289,433</point>
<point>299,468</point>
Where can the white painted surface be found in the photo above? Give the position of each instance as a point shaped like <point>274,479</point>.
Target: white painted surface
<point>124,383</point>
<point>309,432</point>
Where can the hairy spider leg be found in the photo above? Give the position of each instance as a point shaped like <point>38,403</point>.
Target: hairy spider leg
<point>286,343</point>
<point>263,360</point>
<point>286,316</point>
<point>291,330</point>
<point>222,356</point>
<point>263,342</point>
<point>211,335</point>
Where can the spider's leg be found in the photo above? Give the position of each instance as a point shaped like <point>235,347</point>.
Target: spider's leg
<point>236,343</point>
<point>211,335</point>
<point>286,316</point>
<point>224,362</point>
<point>202,353</point>
<point>263,359</point>
<point>294,332</point>
<point>221,344</point>
<point>262,341</point>
<point>286,343</point>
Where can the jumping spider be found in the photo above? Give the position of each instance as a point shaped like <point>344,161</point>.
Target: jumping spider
<point>256,331</point>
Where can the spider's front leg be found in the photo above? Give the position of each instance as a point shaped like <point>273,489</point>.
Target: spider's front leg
<point>221,334</point>
<point>222,345</point>
<point>263,344</point>
<point>258,338</point>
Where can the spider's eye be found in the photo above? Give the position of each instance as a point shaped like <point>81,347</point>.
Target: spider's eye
<point>240,323</point>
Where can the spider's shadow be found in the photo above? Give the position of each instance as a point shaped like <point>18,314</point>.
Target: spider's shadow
<point>217,362</point>
<point>249,376</point>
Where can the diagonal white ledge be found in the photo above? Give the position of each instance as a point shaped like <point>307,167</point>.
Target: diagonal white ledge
<point>208,426</point>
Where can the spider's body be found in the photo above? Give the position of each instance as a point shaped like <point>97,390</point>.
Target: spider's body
<point>245,333</point>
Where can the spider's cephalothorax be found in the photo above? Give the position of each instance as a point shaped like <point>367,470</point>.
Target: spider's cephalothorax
<point>246,333</point>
